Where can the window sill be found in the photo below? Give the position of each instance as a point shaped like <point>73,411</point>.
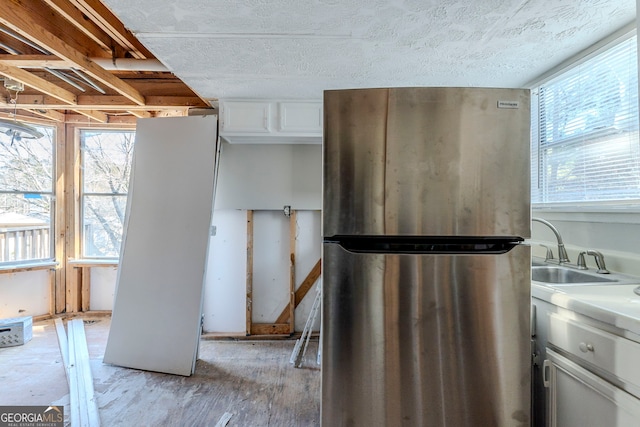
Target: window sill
<point>593,214</point>
<point>87,262</point>
<point>33,266</point>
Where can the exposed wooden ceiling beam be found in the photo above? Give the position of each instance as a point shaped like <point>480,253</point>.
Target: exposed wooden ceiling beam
<point>77,18</point>
<point>50,114</point>
<point>38,83</point>
<point>33,61</point>
<point>26,115</point>
<point>98,116</point>
<point>140,114</point>
<point>12,17</point>
<point>107,102</point>
<point>112,26</point>
<point>26,13</point>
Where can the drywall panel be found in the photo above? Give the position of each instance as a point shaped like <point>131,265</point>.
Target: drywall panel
<point>270,265</point>
<point>102,287</point>
<point>225,285</point>
<point>269,176</point>
<point>158,303</point>
<point>25,294</point>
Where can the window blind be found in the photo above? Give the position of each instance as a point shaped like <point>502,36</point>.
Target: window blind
<point>585,146</point>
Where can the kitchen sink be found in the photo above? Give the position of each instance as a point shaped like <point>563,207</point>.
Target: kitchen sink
<point>566,276</point>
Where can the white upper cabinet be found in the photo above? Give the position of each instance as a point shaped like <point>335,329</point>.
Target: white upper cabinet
<point>245,117</point>
<point>271,121</point>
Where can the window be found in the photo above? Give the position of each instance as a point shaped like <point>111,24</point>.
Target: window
<point>585,146</point>
<point>106,163</point>
<point>26,196</point>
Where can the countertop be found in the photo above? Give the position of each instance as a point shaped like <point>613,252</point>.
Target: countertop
<point>613,304</point>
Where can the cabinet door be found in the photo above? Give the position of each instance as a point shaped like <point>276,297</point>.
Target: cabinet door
<point>578,398</point>
<point>244,117</point>
<point>301,117</point>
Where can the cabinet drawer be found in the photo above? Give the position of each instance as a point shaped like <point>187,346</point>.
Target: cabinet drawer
<point>609,352</point>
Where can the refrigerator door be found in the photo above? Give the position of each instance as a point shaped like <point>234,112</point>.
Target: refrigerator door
<point>427,161</point>
<point>425,340</point>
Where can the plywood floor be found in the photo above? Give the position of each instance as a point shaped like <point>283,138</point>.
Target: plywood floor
<point>252,380</point>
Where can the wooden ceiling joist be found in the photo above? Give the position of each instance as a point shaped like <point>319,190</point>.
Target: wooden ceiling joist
<point>22,15</point>
<point>42,85</point>
<point>112,26</point>
<point>77,18</point>
<point>98,116</point>
<point>78,61</point>
<point>50,114</point>
<point>33,61</point>
<point>140,114</point>
<point>40,35</point>
<point>107,102</point>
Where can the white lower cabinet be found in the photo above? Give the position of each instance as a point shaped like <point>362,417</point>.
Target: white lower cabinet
<point>579,398</point>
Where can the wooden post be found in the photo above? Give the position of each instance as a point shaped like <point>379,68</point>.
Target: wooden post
<point>61,206</point>
<point>249,270</point>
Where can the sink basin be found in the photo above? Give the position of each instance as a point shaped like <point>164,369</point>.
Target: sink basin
<point>560,275</point>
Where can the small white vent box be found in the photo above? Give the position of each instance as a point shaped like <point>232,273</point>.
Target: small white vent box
<point>15,331</point>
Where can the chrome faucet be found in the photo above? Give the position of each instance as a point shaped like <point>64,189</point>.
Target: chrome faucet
<point>562,252</point>
<point>582,265</point>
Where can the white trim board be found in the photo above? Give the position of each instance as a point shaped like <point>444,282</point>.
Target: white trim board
<point>158,302</point>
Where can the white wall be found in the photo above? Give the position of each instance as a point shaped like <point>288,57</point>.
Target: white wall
<point>269,176</point>
<point>102,288</point>
<point>26,293</point>
<point>225,284</point>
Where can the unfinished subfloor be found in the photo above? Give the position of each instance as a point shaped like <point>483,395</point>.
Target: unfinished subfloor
<point>253,380</point>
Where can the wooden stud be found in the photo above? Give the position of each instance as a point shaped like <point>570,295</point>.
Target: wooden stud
<point>60,218</point>
<point>52,291</point>
<point>302,290</point>
<point>292,271</point>
<point>270,328</point>
<point>85,284</point>
<point>249,299</point>
<point>72,217</point>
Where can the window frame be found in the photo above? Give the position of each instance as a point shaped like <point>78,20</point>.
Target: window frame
<point>599,211</point>
<point>82,194</point>
<point>51,194</point>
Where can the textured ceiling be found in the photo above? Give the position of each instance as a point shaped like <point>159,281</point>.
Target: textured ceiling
<point>297,49</point>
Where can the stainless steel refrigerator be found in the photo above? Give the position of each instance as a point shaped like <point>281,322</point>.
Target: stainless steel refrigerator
<point>426,280</point>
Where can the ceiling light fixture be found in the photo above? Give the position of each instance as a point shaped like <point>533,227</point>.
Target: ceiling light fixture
<point>18,131</point>
<point>15,129</point>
